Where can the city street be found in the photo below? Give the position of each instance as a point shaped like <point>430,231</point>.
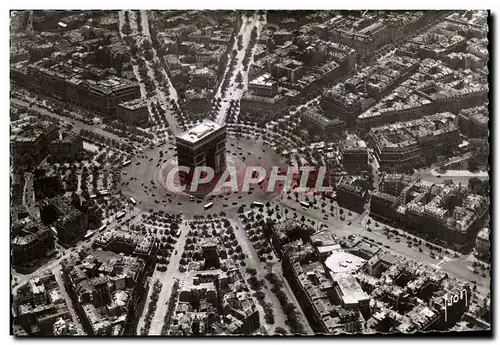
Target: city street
<point>160,94</point>
<point>167,278</point>
<point>141,322</point>
<point>135,68</point>
<point>233,92</point>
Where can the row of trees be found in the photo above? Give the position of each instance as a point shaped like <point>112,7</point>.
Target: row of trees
<point>293,316</point>
<point>476,186</point>
<point>124,130</point>
<point>153,301</point>
<point>159,114</point>
<point>240,42</point>
<point>256,285</point>
<point>230,71</point>
<point>138,20</point>
<point>251,45</point>
<point>171,307</point>
<point>126,26</point>
<point>102,140</point>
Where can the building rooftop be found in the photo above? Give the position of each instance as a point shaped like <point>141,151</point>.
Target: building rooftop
<point>353,143</point>
<point>438,39</point>
<point>77,75</point>
<point>31,231</point>
<point>30,129</point>
<point>349,289</point>
<point>343,262</point>
<point>484,234</point>
<point>477,114</point>
<point>315,116</point>
<point>405,134</point>
<point>358,28</point>
<point>263,80</point>
<point>369,82</point>
<point>200,131</point>
<point>353,183</point>
<point>323,238</point>
<point>476,19</point>
<point>249,96</point>
<point>137,242</point>
<point>134,104</point>
<point>430,200</point>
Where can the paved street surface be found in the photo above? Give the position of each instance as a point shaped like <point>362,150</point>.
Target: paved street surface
<point>233,92</point>
<point>140,323</point>
<point>167,278</point>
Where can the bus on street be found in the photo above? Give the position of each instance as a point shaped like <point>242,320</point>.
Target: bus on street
<point>207,206</point>
<point>258,204</point>
<point>304,204</point>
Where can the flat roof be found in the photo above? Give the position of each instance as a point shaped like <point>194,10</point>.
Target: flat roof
<point>351,291</point>
<point>484,234</point>
<point>263,80</point>
<point>343,262</point>
<point>323,238</point>
<point>200,131</point>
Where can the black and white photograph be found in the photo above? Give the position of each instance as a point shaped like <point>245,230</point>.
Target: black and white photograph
<point>214,173</point>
